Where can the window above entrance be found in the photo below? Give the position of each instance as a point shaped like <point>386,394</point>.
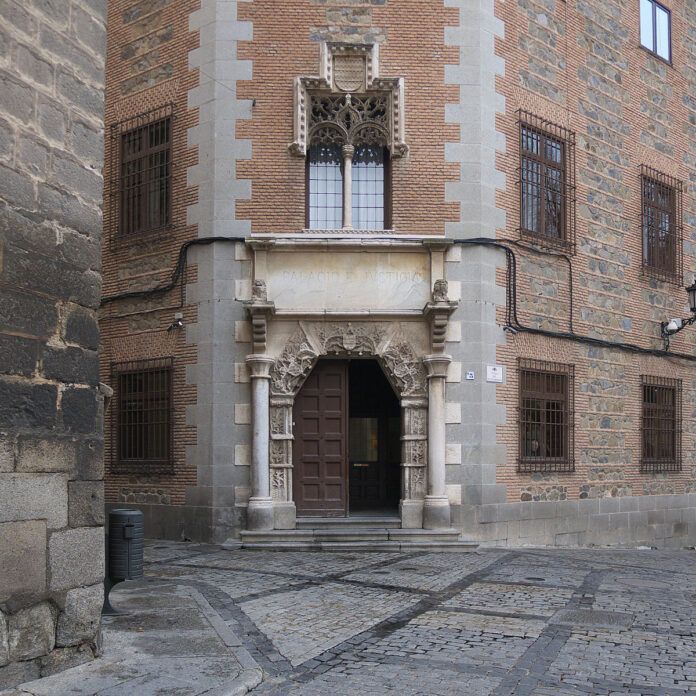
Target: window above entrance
<point>349,126</point>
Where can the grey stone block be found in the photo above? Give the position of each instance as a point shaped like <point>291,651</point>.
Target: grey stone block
<point>85,503</point>
<point>4,640</point>
<point>76,558</point>
<point>607,505</point>
<point>81,328</point>
<point>34,67</point>
<point>65,658</point>
<point>79,619</point>
<point>544,509</point>
<point>17,187</point>
<point>17,99</point>
<point>18,356</point>
<point>66,209</point>
<point>79,408</point>
<point>27,314</point>
<point>71,365</point>
<point>27,405</point>
<point>34,497</point>
<point>18,672</point>
<point>32,632</point>
<point>22,557</point>
<point>84,97</point>
<point>46,454</point>
<point>628,504</point>
<point>7,453</point>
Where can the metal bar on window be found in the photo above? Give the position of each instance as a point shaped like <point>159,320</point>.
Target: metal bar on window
<point>142,419</point>
<point>546,418</point>
<point>661,427</point>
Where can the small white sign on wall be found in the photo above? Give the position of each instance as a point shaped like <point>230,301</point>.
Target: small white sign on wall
<point>494,373</point>
<point>470,375</point>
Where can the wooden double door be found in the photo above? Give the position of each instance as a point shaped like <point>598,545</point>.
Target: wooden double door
<point>346,452</point>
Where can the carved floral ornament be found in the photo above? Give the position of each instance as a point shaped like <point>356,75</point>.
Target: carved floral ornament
<point>382,340</point>
<point>348,103</point>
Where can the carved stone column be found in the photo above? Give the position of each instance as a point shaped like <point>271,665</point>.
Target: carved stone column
<point>348,152</point>
<point>260,510</point>
<point>436,510</point>
<point>414,447</point>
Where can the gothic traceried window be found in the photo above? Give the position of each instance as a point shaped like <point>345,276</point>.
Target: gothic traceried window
<point>349,126</point>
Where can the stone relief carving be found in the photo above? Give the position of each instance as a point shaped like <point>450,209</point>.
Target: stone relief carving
<point>278,485</point>
<point>369,338</point>
<point>293,364</point>
<point>406,369</point>
<point>417,481</point>
<point>351,338</point>
<point>348,103</point>
<point>440,291</point>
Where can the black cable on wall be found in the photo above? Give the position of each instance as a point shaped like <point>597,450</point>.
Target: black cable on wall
<point>511,318</point>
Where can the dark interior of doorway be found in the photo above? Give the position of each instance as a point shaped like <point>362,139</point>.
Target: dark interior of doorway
<point>374,447</point>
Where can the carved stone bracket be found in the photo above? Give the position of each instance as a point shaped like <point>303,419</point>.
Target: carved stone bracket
<point>439,311</point>
<point>260,310</point>
<point>348,102</point>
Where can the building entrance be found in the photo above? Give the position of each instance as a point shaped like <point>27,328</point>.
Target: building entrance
<point>347,441</point>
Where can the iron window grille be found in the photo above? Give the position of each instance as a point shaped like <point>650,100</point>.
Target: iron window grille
<point>661,425</point>
<point>661,222</point>
<point>142,416</point>
<point>546,181</point>
<point>141,182</point>
<point>656,29</point>
<point>546,418</point>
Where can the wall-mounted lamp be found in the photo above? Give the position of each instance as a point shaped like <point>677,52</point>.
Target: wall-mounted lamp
<point>674,326</point>
<point>178,322</point>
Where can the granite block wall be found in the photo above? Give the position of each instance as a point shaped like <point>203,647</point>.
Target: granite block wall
<point>51,405</point>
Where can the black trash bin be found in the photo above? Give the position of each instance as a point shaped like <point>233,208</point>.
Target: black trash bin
<point>124,550</point>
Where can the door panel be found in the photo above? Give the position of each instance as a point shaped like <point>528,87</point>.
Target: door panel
<point>319,453</point>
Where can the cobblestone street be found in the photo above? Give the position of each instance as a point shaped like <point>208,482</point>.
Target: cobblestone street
<point>494,622</point>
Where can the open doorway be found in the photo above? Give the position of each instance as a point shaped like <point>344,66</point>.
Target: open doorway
<point>347,445</point>
<point>374,443</point>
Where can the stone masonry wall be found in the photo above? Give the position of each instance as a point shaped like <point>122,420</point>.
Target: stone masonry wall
<point>51,460</point>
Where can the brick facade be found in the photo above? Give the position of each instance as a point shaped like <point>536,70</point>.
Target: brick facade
<point>468,70</point>
<point>51,405</point>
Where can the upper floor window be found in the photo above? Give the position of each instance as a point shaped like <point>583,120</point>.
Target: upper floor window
<point>142,164</point>
<point>656,29</point>
<point>546,416</point>
<point>142,414</point>
<point>336,172</point>
<point>547,181</point>
<point>348,163</point>
<point>661,222</point>
<point>349,124</point>
<point>661,424</point>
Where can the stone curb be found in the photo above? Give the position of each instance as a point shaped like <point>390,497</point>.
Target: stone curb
<point>247,680</point>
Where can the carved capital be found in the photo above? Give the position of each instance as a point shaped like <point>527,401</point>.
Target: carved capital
<point>437,365</point>
<point>259,366</point>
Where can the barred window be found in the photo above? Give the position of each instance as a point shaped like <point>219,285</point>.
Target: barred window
<point>656,29</point>
<point>547,181</point>
<point>661,197</point>
<point>142,414</point>
<point>142,200</point>
<point>661,424</point>
<point>546,416</point>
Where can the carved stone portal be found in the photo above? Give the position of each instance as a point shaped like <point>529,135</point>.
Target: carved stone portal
<point>405,371</point>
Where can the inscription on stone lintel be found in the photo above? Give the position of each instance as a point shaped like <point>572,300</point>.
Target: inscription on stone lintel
<point>348,281</point>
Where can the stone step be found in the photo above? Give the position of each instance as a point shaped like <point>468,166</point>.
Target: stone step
<point>353,539</point>
<point>368,521</point>
<point>352,546</point>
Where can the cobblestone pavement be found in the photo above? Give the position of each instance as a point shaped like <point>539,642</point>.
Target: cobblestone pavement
<point>528,622</point>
